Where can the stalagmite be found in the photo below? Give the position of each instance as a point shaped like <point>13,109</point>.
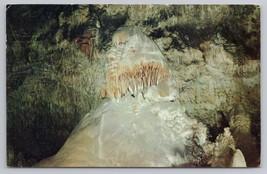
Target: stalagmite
<point>241,128</point>
<point>224,150</point>
<point>128,133</point>
<point>238,159</point>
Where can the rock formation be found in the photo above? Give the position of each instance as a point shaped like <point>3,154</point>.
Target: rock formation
<point>133,131</point>
<point>134,64</point>
<point>182,84</point>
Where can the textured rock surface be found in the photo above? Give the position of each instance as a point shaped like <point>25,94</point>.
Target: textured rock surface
<point>241,128</point>
<point>223,150</point>
<point>213,54</point>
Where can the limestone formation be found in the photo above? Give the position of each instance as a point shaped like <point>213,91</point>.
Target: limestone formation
<point>134,64</point>
<point>223,150</point>
<point>146,127</point>
<point>238,159</point>
<point>160,93</point>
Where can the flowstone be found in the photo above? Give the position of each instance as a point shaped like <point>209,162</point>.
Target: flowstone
<point>142,124</point>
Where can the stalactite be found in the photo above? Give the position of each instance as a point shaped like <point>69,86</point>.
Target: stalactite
<point>134,64</point>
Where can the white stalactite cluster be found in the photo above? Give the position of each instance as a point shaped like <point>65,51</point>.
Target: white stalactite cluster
<point>134,64</point>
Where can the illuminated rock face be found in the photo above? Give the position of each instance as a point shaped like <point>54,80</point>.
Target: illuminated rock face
<point>145,126</point>
<point>132,133</point>
<point>134,64</point>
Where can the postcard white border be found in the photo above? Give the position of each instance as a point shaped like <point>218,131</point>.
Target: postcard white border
<point>4,169</point>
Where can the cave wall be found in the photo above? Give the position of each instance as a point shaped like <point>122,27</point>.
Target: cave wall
<point>56,61</point>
